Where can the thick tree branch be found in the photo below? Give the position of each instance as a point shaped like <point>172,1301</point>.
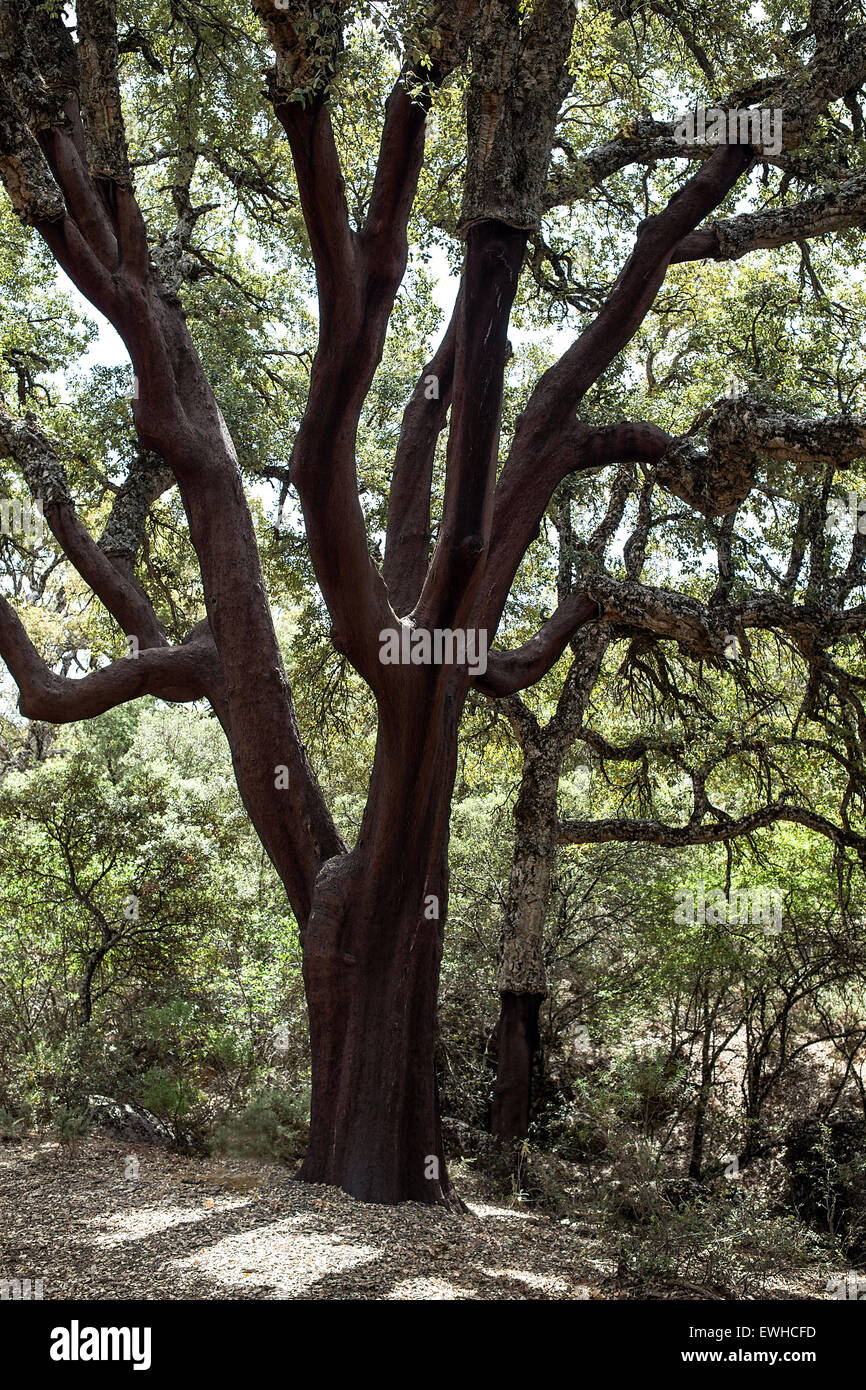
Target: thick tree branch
<point>188,672</point>
<point>107,157</point>
<point>148,478</point>
<point>407,542</point>
<point>508,672</point>
<point>548,443</point>
<point>837,68</point>
<point>46,478</point>
<point>732,237</point>
<point>509,135</point>
<point>577,832</point>
<point>494,256</point>
<point>358,277</point>
<point>323,201</point>
<point>519,79</point>
<point>563,385</point>
<point>714,480</point>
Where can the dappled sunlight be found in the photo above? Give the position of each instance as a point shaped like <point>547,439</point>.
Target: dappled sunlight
<point>202,1229</point>
<point>426,1289</point>
<point>270,1256</point>
<point>135,1223</point>
<point>533,1281</point>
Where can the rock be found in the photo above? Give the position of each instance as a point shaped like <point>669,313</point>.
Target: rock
<point>131,1123</point>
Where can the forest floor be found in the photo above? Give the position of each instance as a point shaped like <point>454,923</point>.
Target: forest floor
<point>107,1221</point>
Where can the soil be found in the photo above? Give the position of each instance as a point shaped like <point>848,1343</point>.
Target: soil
<point>109,1221</point>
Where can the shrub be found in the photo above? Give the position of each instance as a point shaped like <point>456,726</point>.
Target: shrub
<point>69,1126</point>
<point>274,1125</point>
<point>730,1247</point>
<point>826,1162</point>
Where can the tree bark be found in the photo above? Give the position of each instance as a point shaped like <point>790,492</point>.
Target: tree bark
<point>517,1038</point>
<point>696,1163</point>
<point>372,949</point>
<point>521,976</point>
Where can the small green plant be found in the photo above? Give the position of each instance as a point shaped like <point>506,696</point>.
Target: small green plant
<point>69,1127</point>
<point>11,1126</point>
<point>165,1095</point>
<point>274,1125</point>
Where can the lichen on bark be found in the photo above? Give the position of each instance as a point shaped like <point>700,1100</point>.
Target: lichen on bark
<point>307,39</point>
<point>518,82</point>
<point>100,91</point>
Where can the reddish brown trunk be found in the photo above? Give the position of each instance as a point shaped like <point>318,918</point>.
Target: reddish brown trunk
<point>372,950</point>
<point>517,1043</point>
<point>375,1128</point>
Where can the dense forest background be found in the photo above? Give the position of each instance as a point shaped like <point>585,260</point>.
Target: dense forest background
<point>698,1086</point>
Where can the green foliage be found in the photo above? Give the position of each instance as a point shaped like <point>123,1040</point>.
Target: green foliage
<point>134,884</point>
<point>273,1126</point>
<point>826,1160</point>
<point>69,1127</point>
<point>730,1247</point>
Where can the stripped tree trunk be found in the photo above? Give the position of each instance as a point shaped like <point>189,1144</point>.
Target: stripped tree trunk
<point>372,948</point>
<point>521,977</point>
<point>705,1087</point>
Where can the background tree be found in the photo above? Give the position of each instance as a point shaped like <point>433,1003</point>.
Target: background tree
<point>725,703</point>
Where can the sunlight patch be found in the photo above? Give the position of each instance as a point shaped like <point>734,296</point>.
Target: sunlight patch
<point>547,1283</point>
<point>429,1289</point>
<point>487,1209</point>
<point>275,1257</point>
<point>138,1222</point>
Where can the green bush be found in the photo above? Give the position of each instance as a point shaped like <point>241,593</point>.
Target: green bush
<point>69,1126</point>
<point>826,1162</point>
<point>730,1246</point>
<point>273,1125</point>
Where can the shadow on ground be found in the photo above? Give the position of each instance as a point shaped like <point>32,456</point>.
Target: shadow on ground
<point>112,1222</point>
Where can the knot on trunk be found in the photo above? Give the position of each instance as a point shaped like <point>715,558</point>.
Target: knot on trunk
<point>323,936</point>
<point>717,480</point>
